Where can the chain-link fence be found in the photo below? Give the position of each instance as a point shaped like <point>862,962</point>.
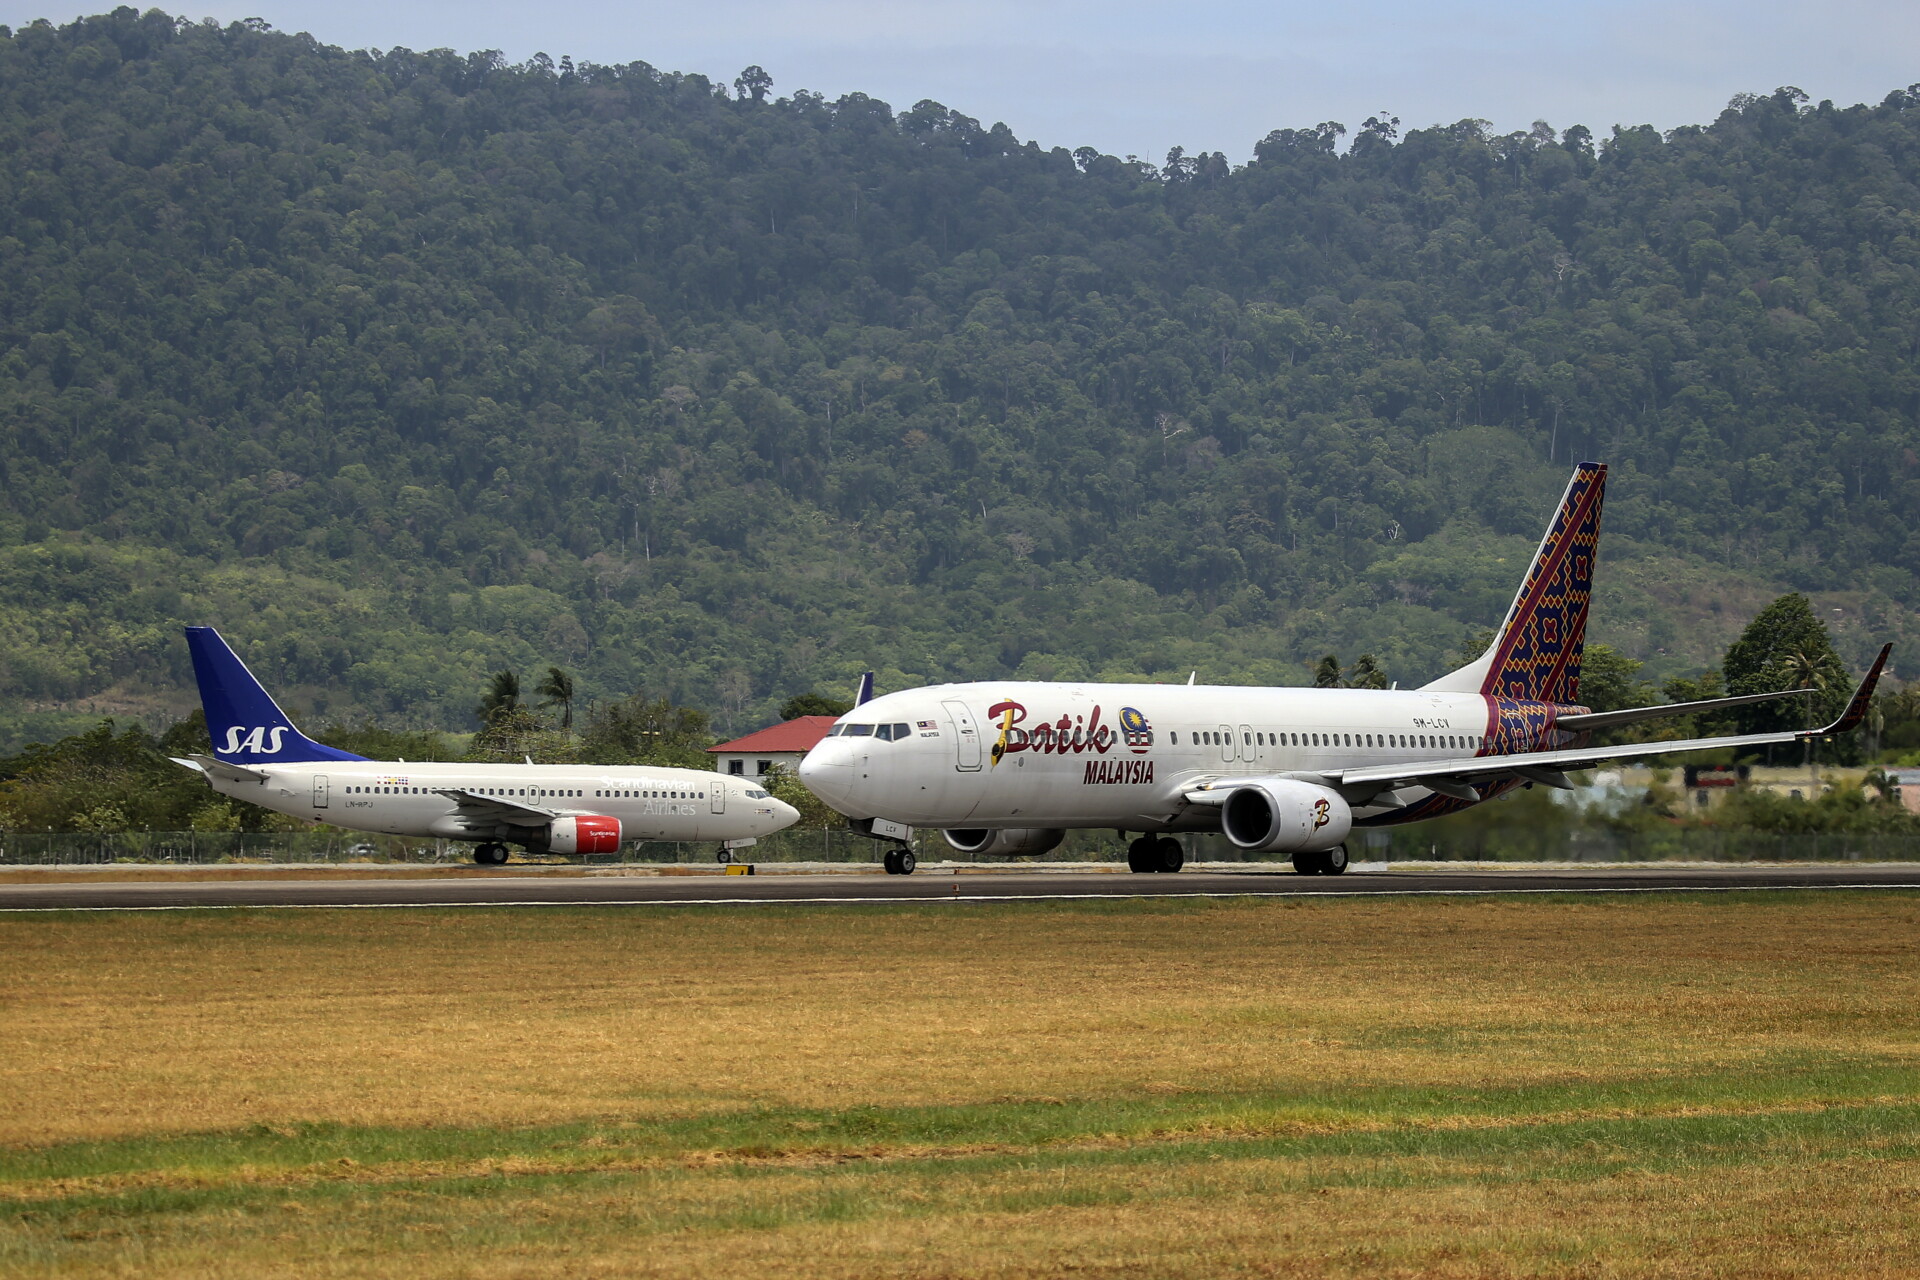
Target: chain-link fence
<point>1414,843</point>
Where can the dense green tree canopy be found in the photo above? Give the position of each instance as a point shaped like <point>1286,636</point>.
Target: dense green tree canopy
<point>1787,647</point>
<point>813,704</point>
<point>409,367</point>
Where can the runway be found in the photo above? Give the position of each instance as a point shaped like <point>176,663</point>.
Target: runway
<point>505,888</point>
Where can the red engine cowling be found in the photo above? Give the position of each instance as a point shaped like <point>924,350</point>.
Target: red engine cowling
<point>588,833</point>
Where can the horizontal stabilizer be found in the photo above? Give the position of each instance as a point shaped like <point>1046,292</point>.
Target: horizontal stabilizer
<point>219,769</point>
<point>1633,715</point>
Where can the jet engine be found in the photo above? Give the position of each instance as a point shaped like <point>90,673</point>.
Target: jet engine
<point>1010,843</point>
<point>1280,815</point>
<point>588,833</point>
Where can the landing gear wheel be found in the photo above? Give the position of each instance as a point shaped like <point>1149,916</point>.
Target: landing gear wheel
<point>1309,864</point>
<point>1334,861</point>
<point>1168,855</point>
<point>891,861</point>
<point>490,855</point>
<point>724,857</point>
<point>906,861</point>
<point>1140,855</point>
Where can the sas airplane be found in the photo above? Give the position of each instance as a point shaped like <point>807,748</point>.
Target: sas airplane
<point>1006,767</point>
<point>258,756</point>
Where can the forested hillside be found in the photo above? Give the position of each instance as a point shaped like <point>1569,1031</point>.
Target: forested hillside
<point>405,367</point>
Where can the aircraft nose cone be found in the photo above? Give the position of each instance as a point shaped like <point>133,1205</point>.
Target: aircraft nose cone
<point>784,814</point>
<point>827,771</point>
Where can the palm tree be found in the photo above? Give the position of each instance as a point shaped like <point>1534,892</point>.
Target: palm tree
<point>556,690</point>
<point>1366,673</point>
<point>1812,672</point>
<point>502,697</point>
<point>1327,674</point>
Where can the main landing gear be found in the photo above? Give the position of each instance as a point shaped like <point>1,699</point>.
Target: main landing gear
<point>1330,863</point>
<point>899,862</point>
<point>1150,854</point>
<point>490,855</point>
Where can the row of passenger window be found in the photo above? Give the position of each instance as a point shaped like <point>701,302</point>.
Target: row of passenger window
<point>884,732</point>
<point>534,792</point>
<point>537,793</point>
<point>1391,741</point>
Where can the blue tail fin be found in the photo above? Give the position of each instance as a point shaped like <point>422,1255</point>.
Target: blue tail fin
<point>246,725</point>
<point>865,695</point>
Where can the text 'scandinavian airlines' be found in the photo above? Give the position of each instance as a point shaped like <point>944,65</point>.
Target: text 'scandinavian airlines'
<point>258,756</point>
<point>1006,767</point>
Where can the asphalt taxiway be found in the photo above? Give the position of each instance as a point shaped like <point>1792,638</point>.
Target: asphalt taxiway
<point>505,888</point>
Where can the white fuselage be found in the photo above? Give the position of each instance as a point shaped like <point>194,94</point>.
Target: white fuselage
<point>403,799</point>
<point>1118,755</point>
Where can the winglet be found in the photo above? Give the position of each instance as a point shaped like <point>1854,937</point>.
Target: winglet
<point>865,695</point>
<point>1857,708</point>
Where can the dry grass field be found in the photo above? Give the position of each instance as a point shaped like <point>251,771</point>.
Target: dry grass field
<point>1722,1085</point>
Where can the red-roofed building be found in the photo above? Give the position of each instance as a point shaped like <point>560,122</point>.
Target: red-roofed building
<point>782,744</point>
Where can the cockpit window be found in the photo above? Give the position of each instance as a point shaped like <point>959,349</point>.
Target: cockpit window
<point>856,731</point>
<point>892,732</point>
<point>755,794</point>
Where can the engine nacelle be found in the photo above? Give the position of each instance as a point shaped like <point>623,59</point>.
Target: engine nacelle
<point>1284,816</point>
<point>1012,842</point>
<point>587,833</point>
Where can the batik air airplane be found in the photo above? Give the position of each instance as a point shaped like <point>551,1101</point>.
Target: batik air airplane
<point>258,756</point>
<point>1006,767</point>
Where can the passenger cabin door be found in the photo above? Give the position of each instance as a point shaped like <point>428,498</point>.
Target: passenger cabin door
<point>719,789</point>
<point>968,735</point>
<point>319,790</point>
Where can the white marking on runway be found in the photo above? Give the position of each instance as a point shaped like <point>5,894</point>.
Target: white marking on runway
<point>988,897</point>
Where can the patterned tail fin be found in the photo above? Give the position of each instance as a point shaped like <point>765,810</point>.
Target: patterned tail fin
<point>1536,655</point>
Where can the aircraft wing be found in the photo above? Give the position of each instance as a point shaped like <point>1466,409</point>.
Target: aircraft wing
<point>494,809</point>
<point>1453,776</point>
<point>1632,715</point>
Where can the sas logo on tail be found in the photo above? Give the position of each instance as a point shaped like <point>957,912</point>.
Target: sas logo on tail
<point>253,741</point>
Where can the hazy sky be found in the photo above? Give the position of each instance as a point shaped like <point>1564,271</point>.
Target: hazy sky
<point>1132,77</point>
